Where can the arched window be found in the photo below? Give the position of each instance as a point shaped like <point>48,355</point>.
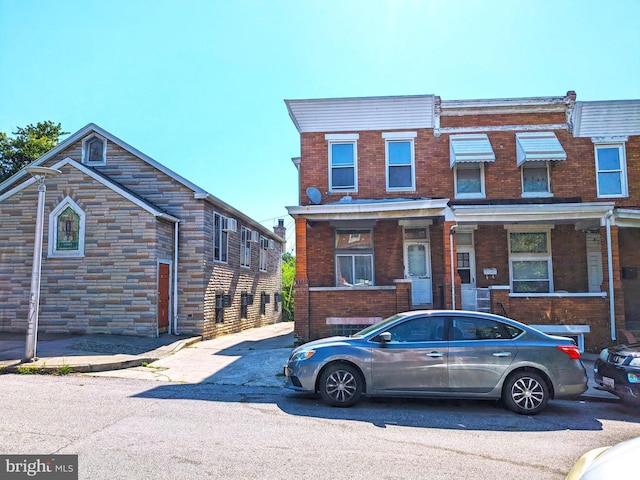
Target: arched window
<point>94,150</point>
<point>66,230</point>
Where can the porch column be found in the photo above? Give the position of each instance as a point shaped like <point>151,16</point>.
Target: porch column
<point>301,315</point>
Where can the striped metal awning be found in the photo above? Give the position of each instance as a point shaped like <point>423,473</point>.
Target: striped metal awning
<point>470,148</point>
<point>538,147</point>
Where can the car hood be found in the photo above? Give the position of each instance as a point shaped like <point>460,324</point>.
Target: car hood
<point>324,342</point>
<point>617,462</point>
<point>627,350</point>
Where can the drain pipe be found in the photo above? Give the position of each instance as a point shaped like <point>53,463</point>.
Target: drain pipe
<point>175,278</point>
<point>453,274</point>
<point>612,306</point>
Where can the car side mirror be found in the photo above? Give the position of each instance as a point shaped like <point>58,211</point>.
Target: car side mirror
<point>384,337</point>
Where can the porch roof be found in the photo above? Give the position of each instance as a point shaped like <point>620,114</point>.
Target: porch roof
<point>585,214</point>
<point>372,209</point>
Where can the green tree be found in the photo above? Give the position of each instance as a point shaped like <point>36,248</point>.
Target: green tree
<point>28,144</point>
<point>288,276</point>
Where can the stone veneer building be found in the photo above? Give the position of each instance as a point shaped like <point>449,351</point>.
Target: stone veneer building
<point>132,248</point>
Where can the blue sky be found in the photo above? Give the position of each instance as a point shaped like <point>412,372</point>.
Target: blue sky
<point>200,85</point>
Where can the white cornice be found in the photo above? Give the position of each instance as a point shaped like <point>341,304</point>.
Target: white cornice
<point>554,213</point>
<point>371,210</point>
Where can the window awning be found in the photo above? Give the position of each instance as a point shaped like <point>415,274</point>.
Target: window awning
<point>538,146</point>
<point>470,148</point>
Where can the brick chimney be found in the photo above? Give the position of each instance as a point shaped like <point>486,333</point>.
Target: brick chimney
<point>279,229</point>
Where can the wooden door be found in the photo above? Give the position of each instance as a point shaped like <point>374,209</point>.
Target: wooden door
<point>163,298</point>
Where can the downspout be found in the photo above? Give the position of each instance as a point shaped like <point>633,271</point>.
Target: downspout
<point>453,275</point>
<point>175,278</point>
<point>612,306</point>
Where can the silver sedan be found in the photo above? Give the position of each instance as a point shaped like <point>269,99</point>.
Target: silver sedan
<point>439,353</point>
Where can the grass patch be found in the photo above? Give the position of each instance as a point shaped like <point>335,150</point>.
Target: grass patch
<point>29,370</point>
<point>63,370</point>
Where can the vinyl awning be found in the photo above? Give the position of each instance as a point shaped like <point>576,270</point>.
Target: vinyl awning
<point>538,147</point>
<point>470,148</point>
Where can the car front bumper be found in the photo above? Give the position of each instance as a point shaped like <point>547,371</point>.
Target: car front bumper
<point>615,379</point>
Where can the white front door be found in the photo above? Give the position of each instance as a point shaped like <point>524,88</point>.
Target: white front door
<point>594,262</point>
<point>467,270</point>
<point>417,261</point>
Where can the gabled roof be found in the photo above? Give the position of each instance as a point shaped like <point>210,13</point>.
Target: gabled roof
<point>107,182</point>
<point>199,193</point>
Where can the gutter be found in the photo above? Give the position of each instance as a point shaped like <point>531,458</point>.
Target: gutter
<point>175,278</point>
<point>453,275</point>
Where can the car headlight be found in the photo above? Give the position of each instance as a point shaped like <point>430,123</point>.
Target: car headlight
<point>302,355</point>
<point>635,362</point>
<point>633,378</point>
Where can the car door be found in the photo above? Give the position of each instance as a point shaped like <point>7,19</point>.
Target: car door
<point>480,352</point>
<point>414,360</point>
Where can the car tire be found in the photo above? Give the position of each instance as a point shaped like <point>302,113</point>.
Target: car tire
<point>525,393</point>
<point>340,385</point>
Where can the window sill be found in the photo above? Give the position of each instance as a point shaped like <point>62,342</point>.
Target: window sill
<point>537,195</point>
<point>348,289</point>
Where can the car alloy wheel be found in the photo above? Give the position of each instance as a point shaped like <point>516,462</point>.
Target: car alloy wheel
<point>526,393</point>
<point>340,385</point>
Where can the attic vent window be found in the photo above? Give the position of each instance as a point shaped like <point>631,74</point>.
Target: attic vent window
<point>94,151</point>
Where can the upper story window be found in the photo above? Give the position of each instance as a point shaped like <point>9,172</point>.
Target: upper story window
<point>245,247</point>
<point>469,180</point>
<point>220,238</point>
<point>468,154</point>
<point>66,230</point>
<point>343,162</point>
<point>611,170</point>
<point>534,151</point>
<point>94,150</point>
<point>399,151</point>
<point>530,265</point>
<point>535,179</point>
<point>264,251</point>
<point>354,257</point>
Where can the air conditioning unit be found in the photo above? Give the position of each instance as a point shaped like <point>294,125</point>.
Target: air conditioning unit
<point>255,236</point>
<point>230,225</point>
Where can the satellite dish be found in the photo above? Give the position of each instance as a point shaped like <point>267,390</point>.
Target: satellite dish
<point>315,197</point>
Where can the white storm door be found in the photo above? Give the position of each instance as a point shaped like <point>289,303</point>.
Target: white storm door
<point>417,261</point>
<point>467,273</point>
<point>594,262</point>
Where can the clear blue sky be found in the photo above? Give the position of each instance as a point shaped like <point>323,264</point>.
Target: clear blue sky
<point>199,85</point>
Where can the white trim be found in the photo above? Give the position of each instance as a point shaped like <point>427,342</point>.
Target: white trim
<point>529,165</point>
<point>531,257</point>
<point>610,139</point>
<point>53,230</point>
<point>349,189</point>
<point>504,128</point>
<point>412,163</point>
<point>341,137</point>
<point>624,185</point>
<point>373,210</point>
<point>399,135</point>
<point>551,213</point>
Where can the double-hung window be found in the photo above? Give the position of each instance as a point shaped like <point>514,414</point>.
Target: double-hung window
<point>245,247</point>
<point>530,261</point>
<point>220,239</point>
<point>611,169</point>
<point>469,180</point>
<point>264,250</point>
<point>354,257</point>
<point>399,151</point>
<point>343,162</point>
<point>535,179</point>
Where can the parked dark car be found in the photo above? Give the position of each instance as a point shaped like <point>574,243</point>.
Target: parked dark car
<point>617,370</point>
<point>437,353</point>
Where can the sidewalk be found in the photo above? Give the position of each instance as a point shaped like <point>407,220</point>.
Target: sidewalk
<point>104,353</point>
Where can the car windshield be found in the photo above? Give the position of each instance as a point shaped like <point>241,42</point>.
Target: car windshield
<point>376,326</point>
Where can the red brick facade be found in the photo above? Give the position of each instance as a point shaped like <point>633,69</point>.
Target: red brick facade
<point>571,215</point>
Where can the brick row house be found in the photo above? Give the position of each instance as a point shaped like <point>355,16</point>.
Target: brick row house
<point>524,207</point>
<point>132,248</point>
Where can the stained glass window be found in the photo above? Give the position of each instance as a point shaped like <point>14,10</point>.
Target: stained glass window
<point>68,230</point>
